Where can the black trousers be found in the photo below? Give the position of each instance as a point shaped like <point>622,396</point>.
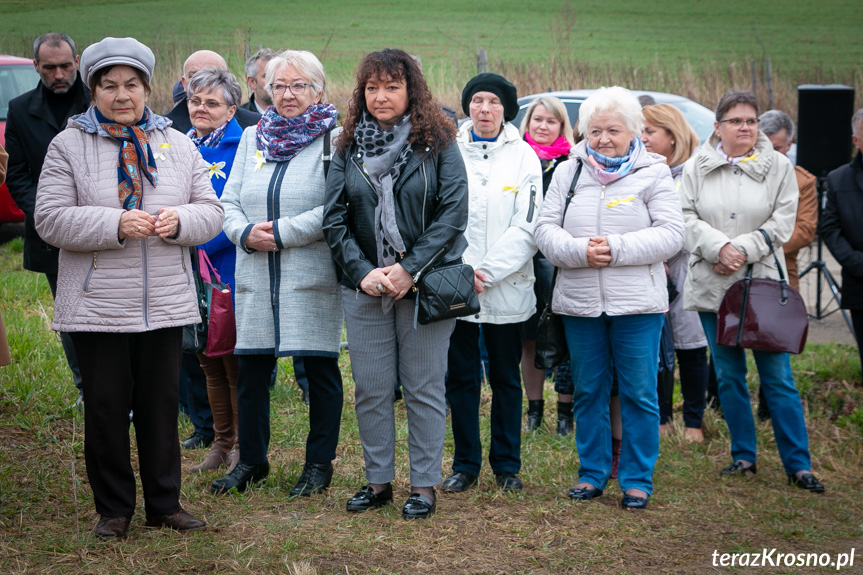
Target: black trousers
<point>139,372</point>
<point>463,387</point>
<point>253,407</point>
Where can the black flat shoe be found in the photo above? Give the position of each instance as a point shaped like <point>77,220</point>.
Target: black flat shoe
<point>366,499</point>
<point>242,477</point>
<point>737,468</point>
<point>508,481</point>
<point>584,494</point>
<point>633,502</point>
<point>418,507</point>
<point>314,479</point>
<point>807,481</point>
<point>196,441</point>
<point>458,482</point>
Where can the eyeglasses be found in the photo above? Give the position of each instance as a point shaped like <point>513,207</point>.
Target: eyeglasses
<point>210,104</point>
<point>297,88</point>
<point>737,122</point>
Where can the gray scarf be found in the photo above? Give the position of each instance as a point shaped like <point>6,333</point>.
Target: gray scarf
<point>385,154</point>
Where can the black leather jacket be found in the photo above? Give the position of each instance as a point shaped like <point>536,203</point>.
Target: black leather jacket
<point>431,211</point>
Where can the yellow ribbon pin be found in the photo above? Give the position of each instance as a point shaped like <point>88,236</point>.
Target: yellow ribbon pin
<point>513,189</point>
<point>160,154</point>
<point>752,158</point>
<point>215,170</point>
<point>613,203</point>
<point>259,160</point>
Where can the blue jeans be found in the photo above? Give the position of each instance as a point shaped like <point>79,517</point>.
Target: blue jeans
<point>783,400</point>
<point>631,342</point>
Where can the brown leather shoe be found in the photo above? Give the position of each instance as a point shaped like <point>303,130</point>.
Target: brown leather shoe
<point>112,527</point>
<point>180,521</point>
<point>214,459</point>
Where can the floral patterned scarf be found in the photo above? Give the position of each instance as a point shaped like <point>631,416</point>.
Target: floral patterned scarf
<point>211,140</point>
<point>280,139</point>
<point>135,158</point>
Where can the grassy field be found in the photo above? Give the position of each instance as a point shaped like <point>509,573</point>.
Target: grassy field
<point>668,45</point>
<point>46,508</point>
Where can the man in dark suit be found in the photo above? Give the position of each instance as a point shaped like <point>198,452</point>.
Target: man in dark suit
<point>256,78</point>
<point>199,60</point>
<point>33,120</point>
<point>841,230</point>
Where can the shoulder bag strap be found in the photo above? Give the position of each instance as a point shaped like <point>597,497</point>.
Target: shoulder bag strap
<point>563,217</point>
<point>327,156</point>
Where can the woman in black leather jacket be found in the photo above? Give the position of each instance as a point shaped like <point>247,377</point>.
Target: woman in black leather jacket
<point>396,206</point>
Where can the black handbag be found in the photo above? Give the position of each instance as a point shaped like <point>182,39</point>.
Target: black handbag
<point>195,335</point>
<point>446,292</point>
<point>551,348</point>
<point>763,313</point>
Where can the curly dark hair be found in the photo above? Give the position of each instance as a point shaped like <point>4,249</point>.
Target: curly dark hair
<point>429,125</point>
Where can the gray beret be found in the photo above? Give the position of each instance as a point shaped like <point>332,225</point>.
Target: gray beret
<point>497,85</point>
<point>117,51</point>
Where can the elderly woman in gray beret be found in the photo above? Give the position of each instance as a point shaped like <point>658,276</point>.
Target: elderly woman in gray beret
<point>123,195</point>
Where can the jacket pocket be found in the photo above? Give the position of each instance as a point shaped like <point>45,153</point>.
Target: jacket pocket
<point>94,265</point>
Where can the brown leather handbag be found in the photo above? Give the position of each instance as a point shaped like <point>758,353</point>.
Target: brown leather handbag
<point>762,313</point>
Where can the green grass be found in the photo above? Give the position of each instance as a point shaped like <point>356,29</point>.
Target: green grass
<point>46,508</point>
<point>667,45</point>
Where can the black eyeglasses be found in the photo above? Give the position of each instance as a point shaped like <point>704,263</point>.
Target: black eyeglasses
<point>297,88</point>
<point>737,122</point>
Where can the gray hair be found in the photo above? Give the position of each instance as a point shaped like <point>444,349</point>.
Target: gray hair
<point>306,63</point>
<point>52,39</point>
<point>264,54</point>
<point>857,123</point>
<point>615,99</point>
<point>208,79</point>
<point>774,121</point>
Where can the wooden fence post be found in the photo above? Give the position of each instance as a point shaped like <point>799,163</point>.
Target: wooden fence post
<point>481,61</point>
<point>752,71</point>
<point>769,85</point>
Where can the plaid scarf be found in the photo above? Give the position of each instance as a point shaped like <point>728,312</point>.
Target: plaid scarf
<point>280,139</point>
<point>211,140</point>
<point>134,147</point>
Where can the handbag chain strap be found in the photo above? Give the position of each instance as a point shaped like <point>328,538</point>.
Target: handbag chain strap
<point>783,284</point>
<point>563,217</point>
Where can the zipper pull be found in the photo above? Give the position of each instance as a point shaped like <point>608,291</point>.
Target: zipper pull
<point>95,263</point>
<point>602,195</point>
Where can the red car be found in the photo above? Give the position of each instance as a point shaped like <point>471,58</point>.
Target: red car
<point>17,75</point>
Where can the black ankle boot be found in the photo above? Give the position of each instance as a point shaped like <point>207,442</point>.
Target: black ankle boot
<point>564,418</point>
<point>534,414</point>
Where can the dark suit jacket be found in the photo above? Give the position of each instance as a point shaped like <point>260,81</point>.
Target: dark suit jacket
<point>250,105</point>
<point>841,229</point>
<point>179,115</point>
<point>30,128</point>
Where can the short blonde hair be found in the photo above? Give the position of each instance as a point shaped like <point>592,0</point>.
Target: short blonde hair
<point>556,107</point>
<point>672,120</point>
<point>615,99</point>
<point>306,63</point>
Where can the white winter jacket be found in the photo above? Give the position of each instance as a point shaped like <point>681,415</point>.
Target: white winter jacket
<point>505,189</point>
<point>641,217</point>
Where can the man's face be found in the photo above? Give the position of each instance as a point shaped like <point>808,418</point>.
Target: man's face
<point>258,83</point>
<point>57,66</point>
<point>857,137</point>
<point>781,142</point>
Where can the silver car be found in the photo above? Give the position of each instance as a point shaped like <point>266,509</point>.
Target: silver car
<point>700,118</point>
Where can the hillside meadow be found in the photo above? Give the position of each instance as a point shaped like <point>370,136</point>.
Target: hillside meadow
<point>695,48</point>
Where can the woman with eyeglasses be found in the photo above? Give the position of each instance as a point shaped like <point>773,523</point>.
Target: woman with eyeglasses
<point>733,187</point>
<point>287,302</point>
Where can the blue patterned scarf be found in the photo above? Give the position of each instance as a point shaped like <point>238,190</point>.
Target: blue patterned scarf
<point>610,170</point>
<point>211,140</point>
<point>135,159</point>
<point>280,139</point>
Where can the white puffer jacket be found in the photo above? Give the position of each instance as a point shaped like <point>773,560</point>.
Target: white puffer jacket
<point>505,189</point>
<point>641,217</point>
<point>134,285</point>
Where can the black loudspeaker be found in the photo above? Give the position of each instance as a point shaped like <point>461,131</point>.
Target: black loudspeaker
<point>824,114</point>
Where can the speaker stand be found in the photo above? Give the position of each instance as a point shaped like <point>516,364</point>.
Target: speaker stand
<point>820,267</point>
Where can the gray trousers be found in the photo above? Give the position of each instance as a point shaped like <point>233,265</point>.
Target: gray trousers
<point>385,348</point>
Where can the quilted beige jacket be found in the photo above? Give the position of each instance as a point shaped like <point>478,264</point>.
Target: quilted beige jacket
<point>724,203</point>
<point>133,285</point>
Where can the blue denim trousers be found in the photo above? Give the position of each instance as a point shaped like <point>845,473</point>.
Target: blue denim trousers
<point>783,400</point>
<point>631,344</point>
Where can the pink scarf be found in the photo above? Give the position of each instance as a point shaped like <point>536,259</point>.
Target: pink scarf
<point>559,148</point>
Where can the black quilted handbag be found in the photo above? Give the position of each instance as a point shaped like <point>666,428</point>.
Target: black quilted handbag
<point>446,292</point>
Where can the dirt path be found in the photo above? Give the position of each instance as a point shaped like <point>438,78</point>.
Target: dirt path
<point>832,327</point>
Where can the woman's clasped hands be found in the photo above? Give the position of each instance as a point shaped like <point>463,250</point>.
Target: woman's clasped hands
<point>598,252</point>
<point>393,281</point>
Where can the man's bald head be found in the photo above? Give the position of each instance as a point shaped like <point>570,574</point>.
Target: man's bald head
<point>198,61</point>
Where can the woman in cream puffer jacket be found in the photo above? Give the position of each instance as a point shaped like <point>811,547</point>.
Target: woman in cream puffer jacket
<point>622,223</point>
